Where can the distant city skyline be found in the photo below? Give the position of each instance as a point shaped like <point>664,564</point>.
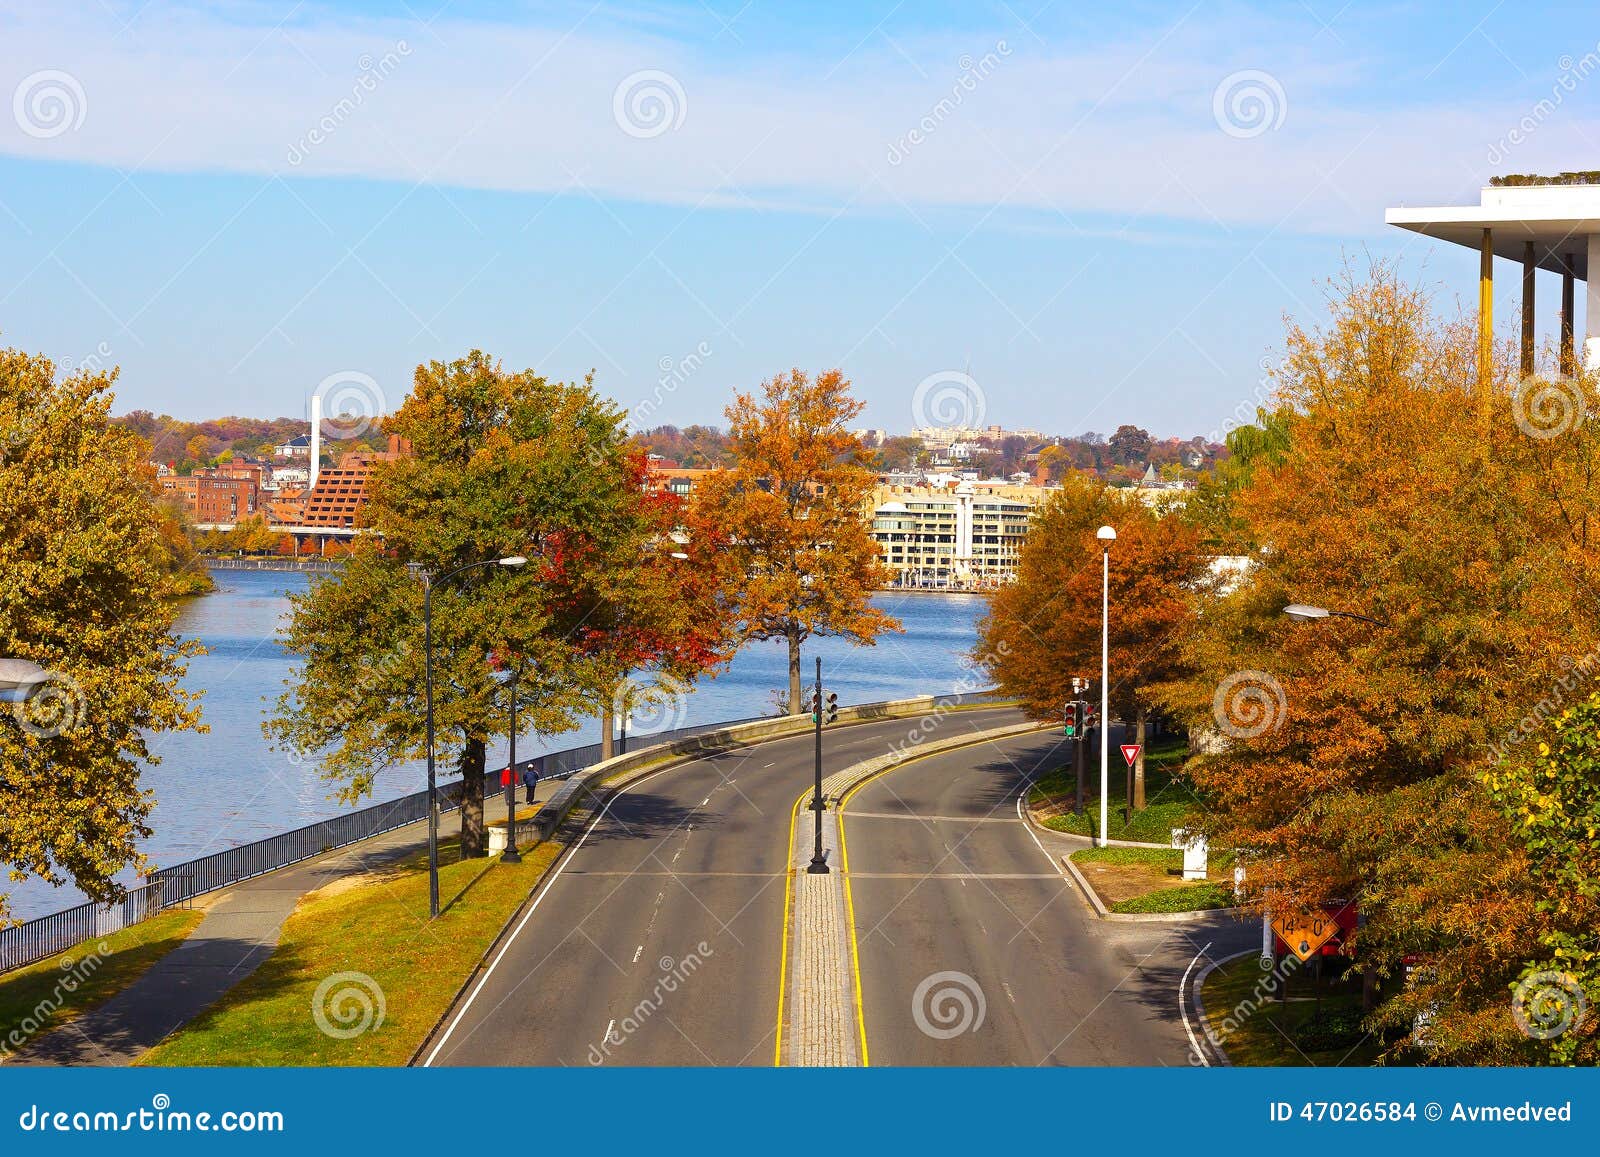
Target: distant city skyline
<point>1095,216</point>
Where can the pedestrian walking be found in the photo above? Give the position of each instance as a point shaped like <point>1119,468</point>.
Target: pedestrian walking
<point>530,778</point>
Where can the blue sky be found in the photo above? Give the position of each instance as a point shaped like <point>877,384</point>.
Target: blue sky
<point>1099,216</point>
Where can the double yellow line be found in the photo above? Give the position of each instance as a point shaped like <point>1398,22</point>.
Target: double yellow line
<point>850,919</point>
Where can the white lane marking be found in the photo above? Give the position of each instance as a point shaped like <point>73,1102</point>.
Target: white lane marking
<point>705,801</point>
<point>610,1025</point>
<point>1038,843</point>
<point>638,952</point>
<point>544,890</point>
<point>1183,1007</point>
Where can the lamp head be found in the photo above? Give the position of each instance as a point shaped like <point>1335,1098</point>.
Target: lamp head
<point>1305,614</point>
<point>513,560</point>
<point>1106,534</point>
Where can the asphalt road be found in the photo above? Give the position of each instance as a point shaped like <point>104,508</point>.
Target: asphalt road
<point>959,908</point>
<point>658,942</point>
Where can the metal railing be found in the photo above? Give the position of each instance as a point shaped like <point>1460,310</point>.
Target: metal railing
<point>167,888</point>
<point>45,936</point>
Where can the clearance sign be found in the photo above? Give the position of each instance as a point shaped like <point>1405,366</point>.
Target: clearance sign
<point>1306,934</point>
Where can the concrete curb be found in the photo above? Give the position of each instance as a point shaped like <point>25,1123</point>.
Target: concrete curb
<point>1103,913</point>
<point>841,783</point>
<point>1033,822</point>
<point>1200,1008</point>
<point>488,952</point>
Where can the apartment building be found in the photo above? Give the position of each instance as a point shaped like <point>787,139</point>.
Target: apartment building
<point>965,537</point>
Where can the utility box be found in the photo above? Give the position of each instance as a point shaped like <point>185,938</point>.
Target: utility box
<point>1194,853</point>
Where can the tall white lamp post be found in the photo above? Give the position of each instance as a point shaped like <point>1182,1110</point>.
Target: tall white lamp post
<point>1106,536</point>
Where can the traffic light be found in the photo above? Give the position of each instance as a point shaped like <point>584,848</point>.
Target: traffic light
<point>816,703</point>
<point>1075,719</point>
<point>833,708</point>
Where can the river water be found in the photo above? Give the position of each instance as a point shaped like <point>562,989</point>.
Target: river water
<point>225,788</point>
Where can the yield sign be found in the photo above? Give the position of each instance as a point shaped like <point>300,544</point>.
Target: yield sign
<point>1130,752</point>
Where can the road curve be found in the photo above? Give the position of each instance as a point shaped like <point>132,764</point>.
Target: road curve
<point>960,907</point>
<point>658,941</point>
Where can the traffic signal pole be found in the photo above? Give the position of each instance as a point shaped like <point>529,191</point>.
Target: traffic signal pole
<point>819,862</point>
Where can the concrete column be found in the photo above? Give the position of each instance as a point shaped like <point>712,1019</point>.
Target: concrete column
<point>1528,268</point>
<point>1591,305</point>
<point>1566,315</point>
<point>1486,310</point>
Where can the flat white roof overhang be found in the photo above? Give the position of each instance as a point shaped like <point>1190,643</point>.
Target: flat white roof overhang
<point>1555,238</point>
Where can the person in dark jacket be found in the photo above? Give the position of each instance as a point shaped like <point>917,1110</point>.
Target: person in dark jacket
<point>530,778</point>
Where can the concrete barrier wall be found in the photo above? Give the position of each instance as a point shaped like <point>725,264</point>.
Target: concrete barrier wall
<point>621,770</point>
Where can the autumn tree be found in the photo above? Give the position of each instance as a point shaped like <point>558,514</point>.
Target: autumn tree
<point>1045,628</point>
<point>1129,445</point>
<point>1354,750</point>
<point>650,604</point>
<point>86,571</point>
<point>791,516</point>
<point>501,464</point>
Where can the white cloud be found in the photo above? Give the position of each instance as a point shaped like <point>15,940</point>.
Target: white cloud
<point>1119,130</point>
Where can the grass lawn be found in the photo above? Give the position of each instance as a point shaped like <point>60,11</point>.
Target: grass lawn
<point>1245,1011</point>
<point>34,1000</point>
<point>381,931</point>
<point>1168,797</point>
<point>1151,880</point>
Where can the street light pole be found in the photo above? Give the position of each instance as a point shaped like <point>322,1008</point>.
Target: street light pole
<point>819,862</point>
<point>428,582</point>
<point>511,855</point>
<point>1107,536</point>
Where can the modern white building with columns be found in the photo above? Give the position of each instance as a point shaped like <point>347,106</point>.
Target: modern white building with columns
<point>1553,226</point>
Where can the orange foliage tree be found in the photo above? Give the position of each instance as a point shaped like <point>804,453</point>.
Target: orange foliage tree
<point>1045,628</point>
<point>1352,756</point>
<point>790,517</point>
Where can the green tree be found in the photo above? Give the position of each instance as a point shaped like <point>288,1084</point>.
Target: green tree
<point>85,575</point>
<point>791,516</point>
<point>501,464</point>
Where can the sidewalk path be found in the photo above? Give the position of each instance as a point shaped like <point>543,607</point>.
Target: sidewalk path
<point>239,931</point>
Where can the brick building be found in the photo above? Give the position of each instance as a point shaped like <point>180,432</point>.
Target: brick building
<point>212,500</point>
